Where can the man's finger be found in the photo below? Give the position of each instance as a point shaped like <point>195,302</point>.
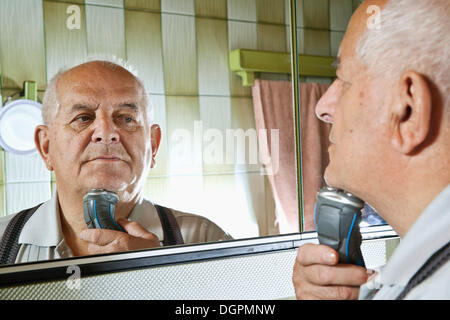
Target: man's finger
<point>136,230</point>
<point>96,249</point>
<point>309,254</point>
<point>336,292</point>
<point>339,275</point>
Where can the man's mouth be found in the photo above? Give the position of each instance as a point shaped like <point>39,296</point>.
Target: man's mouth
<point>106,158</point>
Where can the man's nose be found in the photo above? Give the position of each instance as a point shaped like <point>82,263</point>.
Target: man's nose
<point>327,104</point>
<point>105,131</point>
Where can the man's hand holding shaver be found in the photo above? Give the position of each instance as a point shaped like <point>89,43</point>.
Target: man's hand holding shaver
<point>318,275</point>
<point>108,241</point>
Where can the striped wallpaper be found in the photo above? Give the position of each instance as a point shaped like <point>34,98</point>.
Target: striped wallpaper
<point>180,49</point>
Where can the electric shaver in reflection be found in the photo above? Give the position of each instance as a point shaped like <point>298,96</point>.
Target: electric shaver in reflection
<point>337,215</point>
<point>99,209</point>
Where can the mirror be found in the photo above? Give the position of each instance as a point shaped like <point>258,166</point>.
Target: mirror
<point>210,161</point>
<point>321,26</point>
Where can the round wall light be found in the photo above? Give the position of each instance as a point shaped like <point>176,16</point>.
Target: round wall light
<point>18,120</point>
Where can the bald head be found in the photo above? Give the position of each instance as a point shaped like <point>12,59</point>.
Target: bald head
<point>97,70</point>
<point>94,77</point>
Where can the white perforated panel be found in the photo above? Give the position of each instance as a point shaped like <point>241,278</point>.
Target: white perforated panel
<point>374,253</point>
<point>252,277</point>
<point>246,277</point>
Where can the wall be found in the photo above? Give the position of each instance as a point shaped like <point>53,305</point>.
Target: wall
<point>180,48</point>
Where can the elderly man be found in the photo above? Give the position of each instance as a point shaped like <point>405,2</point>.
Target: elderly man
<point>390,146</point>
<point>97,133</point>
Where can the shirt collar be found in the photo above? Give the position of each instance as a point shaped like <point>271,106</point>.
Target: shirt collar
<point>427,235</point>
<point>145,213</point>
<point>44,226</point>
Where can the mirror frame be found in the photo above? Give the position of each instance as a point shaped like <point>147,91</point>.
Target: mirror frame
<point>295,79</point>
<point>51,270</point>
<point>95,265</point>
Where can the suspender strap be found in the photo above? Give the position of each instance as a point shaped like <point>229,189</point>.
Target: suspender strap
<point>172,233</point>
<point>9,245</point>
<point>437,260</point>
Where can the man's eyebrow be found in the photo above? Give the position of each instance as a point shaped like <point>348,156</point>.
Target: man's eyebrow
<point>128,105</point>
<point>81,106</point>
<point>86,106</point>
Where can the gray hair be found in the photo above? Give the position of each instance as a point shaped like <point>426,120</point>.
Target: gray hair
<point>413,35</point>
<point>50,104</point>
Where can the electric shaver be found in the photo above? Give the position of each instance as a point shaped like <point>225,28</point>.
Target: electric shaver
<point>99,209</point>
<point>337,215</point>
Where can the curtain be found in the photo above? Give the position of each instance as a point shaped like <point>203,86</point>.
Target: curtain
<point>274,113</point>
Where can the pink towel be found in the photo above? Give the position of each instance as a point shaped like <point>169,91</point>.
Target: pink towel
<point>273,110</point>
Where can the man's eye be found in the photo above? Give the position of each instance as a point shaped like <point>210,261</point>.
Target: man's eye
<point>344,83</point>
<point>128,122</point>
<point>126,119</point>
<point>83,118</point>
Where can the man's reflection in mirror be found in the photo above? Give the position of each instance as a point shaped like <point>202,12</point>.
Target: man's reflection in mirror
<point>98,133</point>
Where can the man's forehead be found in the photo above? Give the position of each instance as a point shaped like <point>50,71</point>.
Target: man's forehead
<point>355,30</point>
<point>347,58</point>
<point>92,89</point>
<point>86,93</point>
<point>94,82</point>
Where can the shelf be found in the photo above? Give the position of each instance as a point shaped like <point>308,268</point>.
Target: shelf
<point>246,62</point>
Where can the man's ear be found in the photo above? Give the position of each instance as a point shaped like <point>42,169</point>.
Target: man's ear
<point>156,140</point>
<point>410,116</point>
<point>42,141</point>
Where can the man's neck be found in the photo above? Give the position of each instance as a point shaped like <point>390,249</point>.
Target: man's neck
<point>72,218</point>
<point>402,208</point>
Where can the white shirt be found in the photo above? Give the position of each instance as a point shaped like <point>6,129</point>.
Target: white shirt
<point>42,237</point>
<point>429,233</point>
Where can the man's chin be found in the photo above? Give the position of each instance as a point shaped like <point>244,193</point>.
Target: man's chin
<point>114,185</point>
<point>330,178</point>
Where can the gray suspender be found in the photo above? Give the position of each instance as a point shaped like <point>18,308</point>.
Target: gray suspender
<point>172,233</point>
<point>437,260</point>
<point>9,244</point>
